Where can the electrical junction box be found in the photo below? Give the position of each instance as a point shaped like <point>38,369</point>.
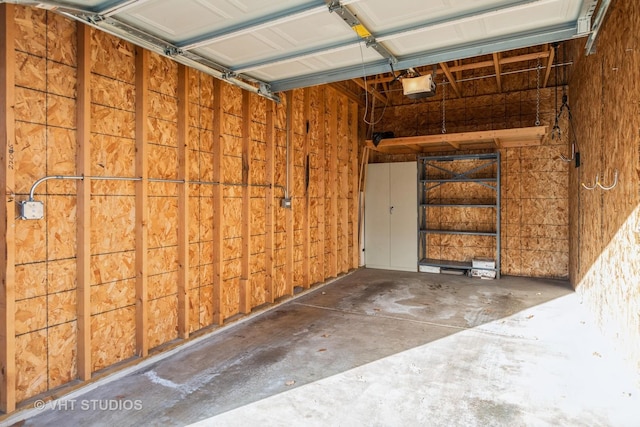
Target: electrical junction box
<point>286,202</point>
<point>31,209</point>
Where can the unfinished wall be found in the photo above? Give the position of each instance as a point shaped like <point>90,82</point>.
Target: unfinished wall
<point>133,259</point>
<point>605,225</point>
<point>535,206</point>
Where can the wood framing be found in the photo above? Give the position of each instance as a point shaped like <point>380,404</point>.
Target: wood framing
<point>142,201</point>
<point>549,66</point>
<point>269,202</point>
<point>343,211</point>
<point>481,64</point>
<point>372,90</point>
<point>83,159</point>
<point>269,208</point>
<point>289,212</point>
<point>503,138</point>
<point>451,78</point>
<point>333,177</point>
<point>498,68</point>
<point>321,186</point>
<point>218,235</point>
<point>183,202</point>
<point>245,279</point>
<point>306,241</point>
<point>355,196</point>
<point>7,212</point>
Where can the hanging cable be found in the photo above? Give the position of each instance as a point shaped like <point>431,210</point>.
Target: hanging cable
<point>556,126</point>
<point>444,90</point>
<point>366,96</point>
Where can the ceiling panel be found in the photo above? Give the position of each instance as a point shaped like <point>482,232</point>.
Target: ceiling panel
<point>357,56</point>
<point>285,44</point>
<point>289,38</point>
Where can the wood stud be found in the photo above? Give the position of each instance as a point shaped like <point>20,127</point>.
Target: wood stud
<point>217,204</point>
<point>183,203</point>
<point>245,280</point>
<point>83,154</point>
<point>142,201</point>
<point>289,212</point>
<point>7,212</point>
<point>270,203</point>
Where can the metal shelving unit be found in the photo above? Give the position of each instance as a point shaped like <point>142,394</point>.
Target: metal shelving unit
<point>485,172</point>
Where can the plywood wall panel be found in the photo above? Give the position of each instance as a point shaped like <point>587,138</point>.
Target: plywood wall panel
<point>206,306</point>
<point>112,337</point>
<point>61,307</point>
<point>30,30</point>
<point>61,41</point>
<point>30,106</point>
<point>62,355</point>
<point>230,297</point>
<point>31,315</point>
<point>112,156</point>
<point>30,70</point>
<point>232,144</point>
<point>163,75</point>
<point>163,107</point>
<point>118,212</point>
<point>31,366</point>
<point>163,322</point>
<point>112,295</point>
<point>112,57</point>
<point>61,275</point>
<point>110,92</point>
<point>162,132</point>
<point>30,155</point>
<point>161,285</point>
<point>30,242</point>
<point>31,280</point>
<point>604,232</point>
<point>109,121</point>
<point>232,96</point>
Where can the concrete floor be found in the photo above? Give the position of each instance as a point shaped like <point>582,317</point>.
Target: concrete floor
<point>380,348</point>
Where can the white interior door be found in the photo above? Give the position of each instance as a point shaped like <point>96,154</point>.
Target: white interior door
<point>376,216</point>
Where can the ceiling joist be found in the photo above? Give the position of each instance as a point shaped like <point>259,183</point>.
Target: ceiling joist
<point>452,80</point>
<point>496,65</point>
<point>547,72</point>
<point>370,89</point>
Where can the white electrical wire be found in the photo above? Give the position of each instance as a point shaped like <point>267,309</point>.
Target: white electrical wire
<point>366,95</point>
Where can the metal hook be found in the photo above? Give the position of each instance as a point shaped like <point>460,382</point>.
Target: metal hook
<point>573,154</point>
<point>592,187</point>
<point>612,186</point>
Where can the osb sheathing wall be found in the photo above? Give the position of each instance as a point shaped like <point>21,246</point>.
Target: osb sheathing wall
<point>535,205</point>
<point>605,225</point>
<point>119,268</point>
